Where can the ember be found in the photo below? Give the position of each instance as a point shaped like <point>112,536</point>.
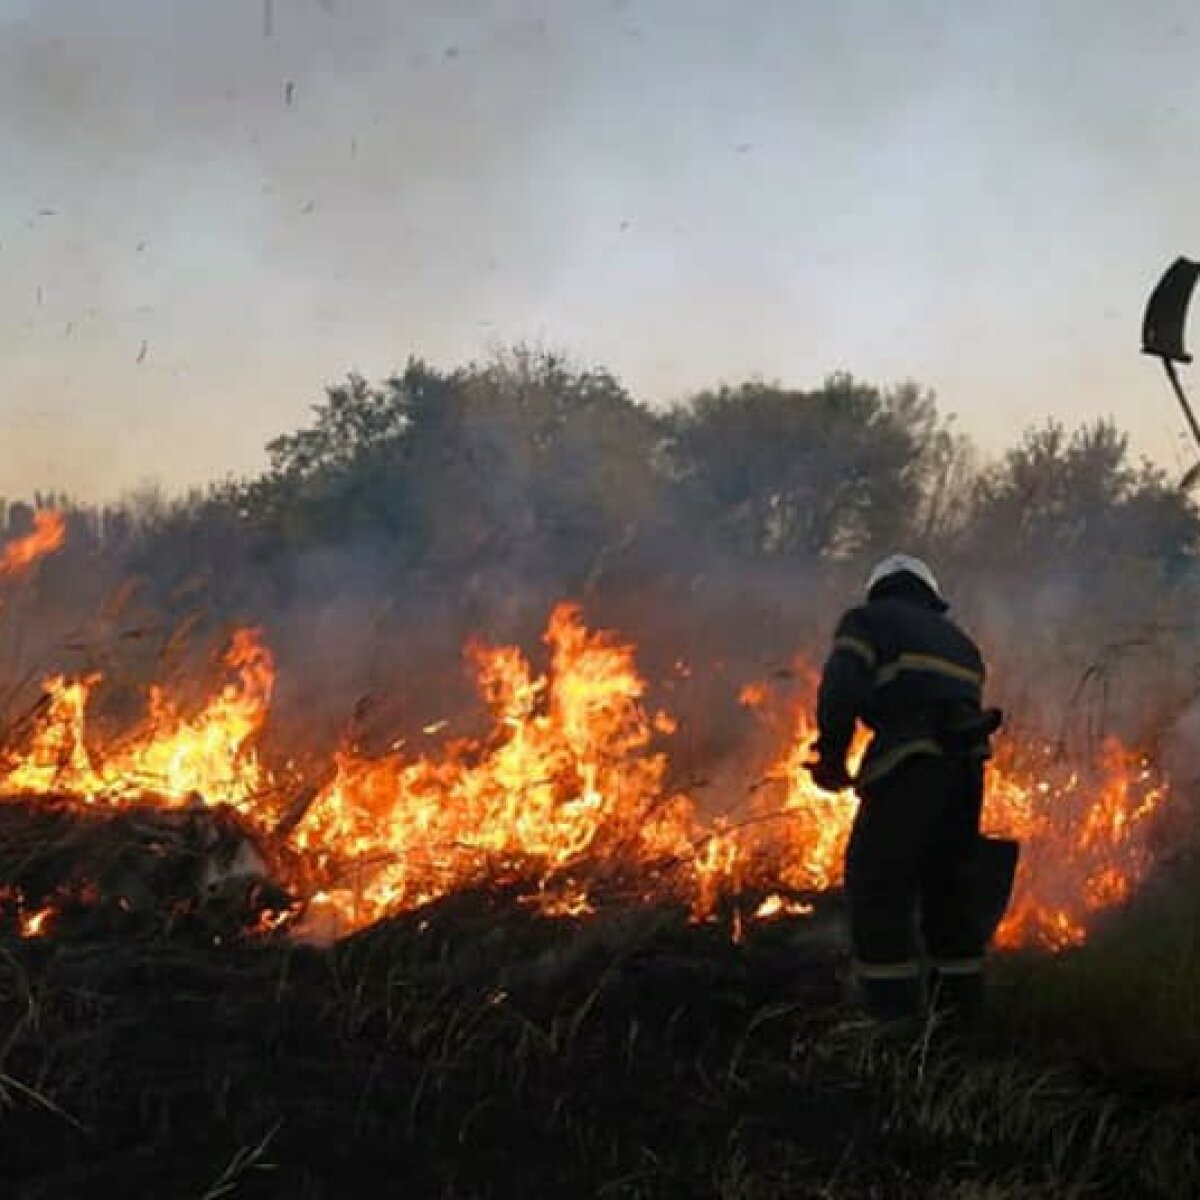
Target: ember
<point>37,924</point>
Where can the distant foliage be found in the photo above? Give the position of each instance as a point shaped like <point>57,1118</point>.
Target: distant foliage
<point>1075,498</point>
<point>530,463</point>
<point>528,459</point>
<point>522,460</point>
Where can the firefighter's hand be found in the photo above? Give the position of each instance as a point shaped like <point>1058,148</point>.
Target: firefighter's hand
<point>829,776</point>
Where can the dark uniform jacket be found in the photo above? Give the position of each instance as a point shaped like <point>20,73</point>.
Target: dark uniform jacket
<point>904,669</point>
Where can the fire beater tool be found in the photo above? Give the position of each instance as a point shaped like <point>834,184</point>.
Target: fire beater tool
<point>991,871</point>
<point>1162,334</point>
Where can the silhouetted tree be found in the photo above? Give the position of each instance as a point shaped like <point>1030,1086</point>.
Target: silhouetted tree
<point>1074,500</point>
<point>522,460</point>
<point>835,471</point>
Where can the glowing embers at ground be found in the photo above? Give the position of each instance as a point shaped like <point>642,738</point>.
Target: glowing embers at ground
<point>796,834</point>
<point>175,757</point>
<point>34,922</point>
<point>30,918</point>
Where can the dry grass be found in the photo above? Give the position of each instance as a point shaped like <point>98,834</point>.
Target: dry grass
<point>476,1050</point>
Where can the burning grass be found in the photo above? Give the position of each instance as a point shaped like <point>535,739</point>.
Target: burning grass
<point>21,554</point>
<point>545,967</point>
<point>569,791</point>
<point>133,869</point>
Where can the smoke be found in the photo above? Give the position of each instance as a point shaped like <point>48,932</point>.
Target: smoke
<point>531,481</point>
<point>188,201</point>
<point>198,220</point>
<point>205,215</point>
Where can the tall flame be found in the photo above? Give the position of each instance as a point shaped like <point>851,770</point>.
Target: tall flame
<point>799,832</point>
<point>568,771</point>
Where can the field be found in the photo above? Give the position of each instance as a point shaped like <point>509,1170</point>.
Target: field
<point>475,1049</point>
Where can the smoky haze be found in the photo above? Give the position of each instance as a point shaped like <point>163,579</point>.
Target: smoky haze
<point>208,211</point>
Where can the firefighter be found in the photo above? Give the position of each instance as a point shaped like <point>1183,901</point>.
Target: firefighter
<point>905,670</point>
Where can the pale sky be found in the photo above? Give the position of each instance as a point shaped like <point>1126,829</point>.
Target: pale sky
<point>974,195</point>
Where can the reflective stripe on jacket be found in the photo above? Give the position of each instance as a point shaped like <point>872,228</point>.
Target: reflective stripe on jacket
<point>910,674</point>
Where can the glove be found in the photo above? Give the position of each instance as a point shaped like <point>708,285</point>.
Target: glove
<point>829,776</point>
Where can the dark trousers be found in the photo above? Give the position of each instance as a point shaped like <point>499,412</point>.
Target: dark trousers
<point>908,884</point>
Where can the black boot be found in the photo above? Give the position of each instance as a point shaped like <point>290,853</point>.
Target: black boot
<point>957,998</point>
<point>893,1000</point>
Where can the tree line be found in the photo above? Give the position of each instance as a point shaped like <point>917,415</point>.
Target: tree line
<point>480,494</point>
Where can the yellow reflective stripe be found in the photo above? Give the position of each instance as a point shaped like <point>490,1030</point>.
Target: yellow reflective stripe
<point>879,767</point>
<point>908,969</point>
<point>856,646</point>
<point>930,663</point>
<point>958,966</point>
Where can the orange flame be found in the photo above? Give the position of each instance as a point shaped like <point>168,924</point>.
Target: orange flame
<point>569,798</point>
<point>776,905</point>
<point>568,772</point>
<point>48,535</point>
<point>1086,838</point>
<point>1086,831</point>
<point>37,924</point>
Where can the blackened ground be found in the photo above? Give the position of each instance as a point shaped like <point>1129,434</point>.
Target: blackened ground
<point>474,1049</point>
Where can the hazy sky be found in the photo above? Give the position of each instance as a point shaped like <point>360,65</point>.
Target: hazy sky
<point>974,195</point>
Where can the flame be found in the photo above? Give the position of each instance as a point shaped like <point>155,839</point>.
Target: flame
<point>177,758</point>
<point>56,757</point>
<point>568,772</point>
<point>568,798</point>
<point>1086,837</point>
<point>794,834</point>
<point>33,924</point>
<point>48,535</point>
<point>1086,831</point>
<point>568,900</point>
<point>776,905</point>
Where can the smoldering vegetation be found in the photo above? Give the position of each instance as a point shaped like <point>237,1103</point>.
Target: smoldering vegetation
<point>476,1049</point>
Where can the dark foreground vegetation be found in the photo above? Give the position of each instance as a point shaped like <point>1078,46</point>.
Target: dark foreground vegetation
<point>476,1050</point>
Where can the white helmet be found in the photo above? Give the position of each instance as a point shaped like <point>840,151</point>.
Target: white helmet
<point>895,564</point>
